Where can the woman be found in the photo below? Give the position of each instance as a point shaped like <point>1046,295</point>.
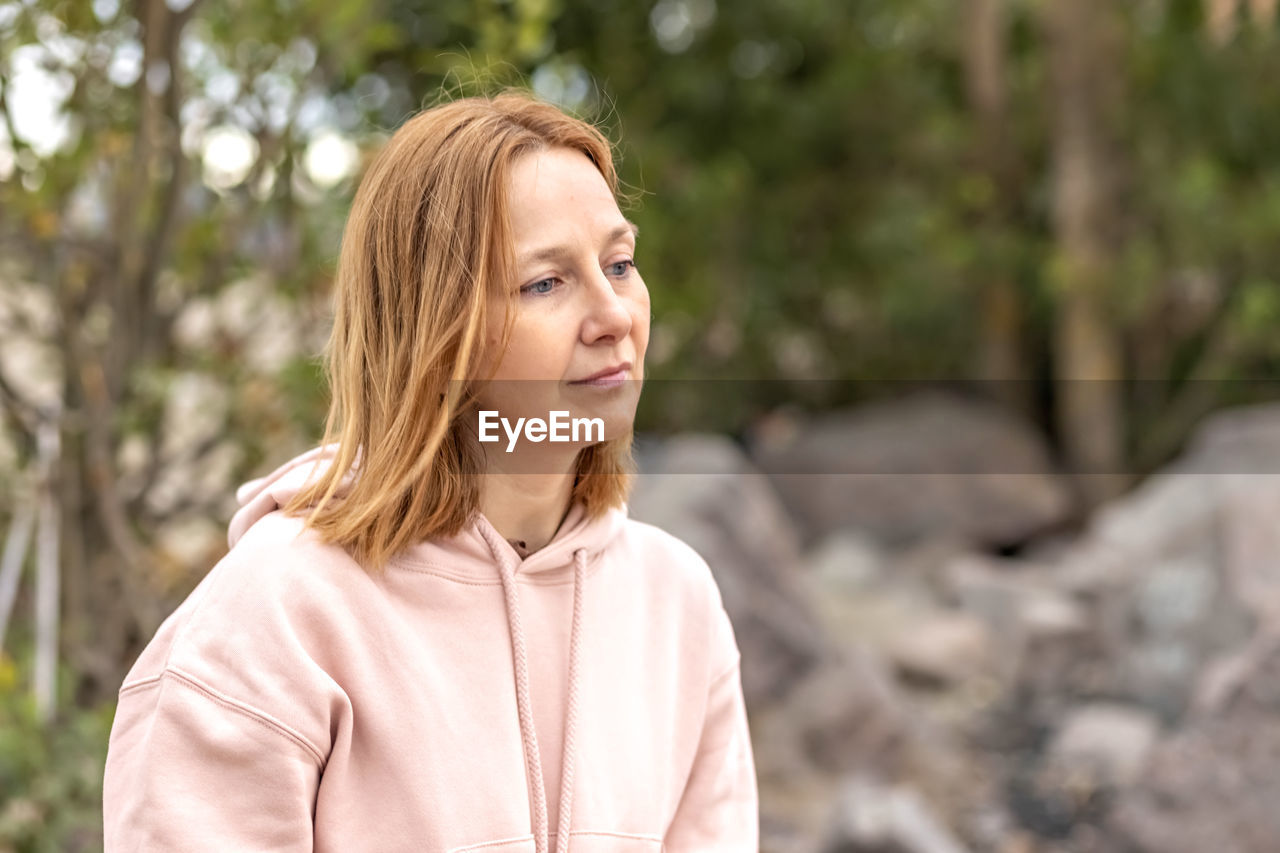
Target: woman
<point>426,639</point>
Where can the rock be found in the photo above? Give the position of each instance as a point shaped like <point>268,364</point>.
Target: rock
<point>942,648</point>
<point>1171,591</point>
<point>846,562</point>
<point>1019,604</point>
<point>1015,592</point>
<point>1165,569</point>
<point>1048,615</point>
<point>932,464</point>
<point>1107,743</point>
<point>1239,440</point>
<point>1251,541</point>
<point>871,816</point>
<point>1212,785</point>
<point>848,714</point>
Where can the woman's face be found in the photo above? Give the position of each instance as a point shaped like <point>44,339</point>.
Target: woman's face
<point>581,306</point>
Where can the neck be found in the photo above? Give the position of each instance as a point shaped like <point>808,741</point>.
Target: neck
<point>526,499</point>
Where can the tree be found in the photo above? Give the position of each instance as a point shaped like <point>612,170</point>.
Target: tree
<point>167,234</point>
<point>1084,40</point>
<point>1003,355</point>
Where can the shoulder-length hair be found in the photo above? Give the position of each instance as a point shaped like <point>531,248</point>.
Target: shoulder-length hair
<point>426,255</point>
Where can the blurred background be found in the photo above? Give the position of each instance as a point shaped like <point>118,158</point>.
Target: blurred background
<point>966,319</point>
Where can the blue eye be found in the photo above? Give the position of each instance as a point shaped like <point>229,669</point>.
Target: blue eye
<point>547,285</point>
<point>537,287</point>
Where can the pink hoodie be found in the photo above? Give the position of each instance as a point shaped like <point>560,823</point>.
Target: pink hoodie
<point>587,696</point>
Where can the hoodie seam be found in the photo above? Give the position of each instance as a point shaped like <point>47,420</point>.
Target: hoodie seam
<point>601,833</point>
<point>442,572</point>
<point>737,664</point>
<point>445,572</point>
<point>501,842</point>
<point>235,705</point>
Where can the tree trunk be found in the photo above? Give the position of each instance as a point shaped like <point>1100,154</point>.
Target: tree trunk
<point>109,607</point>
<point>1002,357</point>
<point>47,573</point>
<point>1222,16</point>
<point>1084,44</point>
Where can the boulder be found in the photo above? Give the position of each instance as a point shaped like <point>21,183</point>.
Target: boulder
<point>1105,743</point>
<point>871,816</point>
<point>931,464</point>
<point>1213,784</point>
<point>942,647</point>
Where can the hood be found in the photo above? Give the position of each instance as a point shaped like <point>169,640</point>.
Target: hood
<point>480,552</point>
<point>468,553</point>
<point>265,495</point>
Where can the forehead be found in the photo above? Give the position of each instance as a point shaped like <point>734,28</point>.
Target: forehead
<point>559,195</point>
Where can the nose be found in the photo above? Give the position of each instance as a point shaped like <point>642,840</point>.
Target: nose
<point>607,316</point>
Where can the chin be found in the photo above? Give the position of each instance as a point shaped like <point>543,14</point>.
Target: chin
<point>619,419</point>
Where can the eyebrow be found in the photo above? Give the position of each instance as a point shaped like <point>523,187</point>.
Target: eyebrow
<point>554,252</point>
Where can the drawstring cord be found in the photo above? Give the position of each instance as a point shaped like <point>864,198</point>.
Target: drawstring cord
<point>571,704</point>
<point>533,764</point>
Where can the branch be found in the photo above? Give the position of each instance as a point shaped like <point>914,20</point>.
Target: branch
<point>22,414</point>
<point>1198,392</point>
<point>15,552</point>
<point>169,206</point>
<point>137,504</point>
<point>14,140</point>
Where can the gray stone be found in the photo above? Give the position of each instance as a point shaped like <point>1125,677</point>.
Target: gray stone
<point>927,465</point>
<point>1019,604</point>
<point>846,562</point>
<point>1212,785</point>
<point>943,647</point>
<point>872,816</point>
<point>1106,742</point>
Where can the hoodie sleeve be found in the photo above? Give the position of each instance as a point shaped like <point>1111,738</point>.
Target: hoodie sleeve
<point>719,810</point>
<point>227,718</point>
<point>191,769</point>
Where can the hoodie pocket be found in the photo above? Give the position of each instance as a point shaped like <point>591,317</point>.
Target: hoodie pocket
<point>523,844</point>
<point>587,841</point>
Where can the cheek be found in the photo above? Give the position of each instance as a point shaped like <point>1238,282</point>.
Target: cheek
<point>537,350</point>
<point>640,315</point>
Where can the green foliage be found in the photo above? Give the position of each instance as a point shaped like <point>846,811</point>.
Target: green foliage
<point>811,206</point>
<point>50,776</point>
<point>809,183</point>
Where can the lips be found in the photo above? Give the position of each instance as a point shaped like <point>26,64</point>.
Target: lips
<point>614,372</point>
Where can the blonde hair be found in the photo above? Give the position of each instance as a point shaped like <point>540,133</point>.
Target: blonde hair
<point>425,251</point>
